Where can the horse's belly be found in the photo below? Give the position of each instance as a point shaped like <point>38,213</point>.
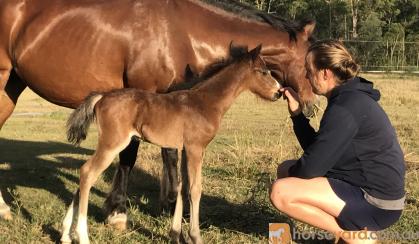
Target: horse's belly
<point>65,91</point>
<point>65,83</point>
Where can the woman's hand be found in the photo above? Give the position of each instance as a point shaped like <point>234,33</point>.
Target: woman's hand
<point>293,100</point>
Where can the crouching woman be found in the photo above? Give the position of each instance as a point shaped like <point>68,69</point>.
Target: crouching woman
<point>351,175</point>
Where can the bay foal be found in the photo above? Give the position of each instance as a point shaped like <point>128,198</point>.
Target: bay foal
<point>194,116</point>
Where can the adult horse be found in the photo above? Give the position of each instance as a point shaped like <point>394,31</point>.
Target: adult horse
<point>65,49</point>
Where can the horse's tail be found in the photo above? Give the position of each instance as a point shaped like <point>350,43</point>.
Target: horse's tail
<point>79,121</point>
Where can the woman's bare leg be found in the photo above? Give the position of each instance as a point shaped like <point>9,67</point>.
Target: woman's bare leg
<point>311,201</point>
<point>308,200</point>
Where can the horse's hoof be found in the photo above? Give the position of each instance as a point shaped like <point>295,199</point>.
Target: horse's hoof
<point>167,207</point>
<point>118,221</point>
<point>5,212</point>
<point>163,207</point>
<point>172,207</point>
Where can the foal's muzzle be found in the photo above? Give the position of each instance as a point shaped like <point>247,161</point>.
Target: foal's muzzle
<point>277,95</point>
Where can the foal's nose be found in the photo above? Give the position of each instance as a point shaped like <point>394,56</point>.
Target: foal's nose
<point>277,95</point>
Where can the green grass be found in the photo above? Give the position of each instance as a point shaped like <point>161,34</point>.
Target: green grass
<point>39,169</point>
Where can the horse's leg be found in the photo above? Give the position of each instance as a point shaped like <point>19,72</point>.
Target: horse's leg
<point>89,173</point>
<point>69,218</point>
<point>169,179</point>
<point>115,204</point>
<point>194,156</point>
<point>11,87</point>
<point>185,181</point>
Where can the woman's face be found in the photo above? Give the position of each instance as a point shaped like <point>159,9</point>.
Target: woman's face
<point>316,77</point>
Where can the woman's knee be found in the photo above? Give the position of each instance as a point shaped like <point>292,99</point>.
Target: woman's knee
<point>280,194</point>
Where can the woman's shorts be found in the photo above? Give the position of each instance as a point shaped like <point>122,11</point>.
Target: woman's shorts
<point>359,214</point>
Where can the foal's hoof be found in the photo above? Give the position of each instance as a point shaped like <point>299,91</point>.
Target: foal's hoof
<point>174,237</point>
<point>196,240</point>
<point>118,221</point>
<point>65,241</point>
<point>5,212</point>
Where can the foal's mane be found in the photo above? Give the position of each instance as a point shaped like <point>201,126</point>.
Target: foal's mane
<point>237,54</point>
<point>249,12</point>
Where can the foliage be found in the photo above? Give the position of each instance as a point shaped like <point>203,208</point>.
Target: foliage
<point>387,31</point>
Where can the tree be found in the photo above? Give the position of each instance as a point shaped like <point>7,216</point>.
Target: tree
<point>354,11</point>
<point>370,32</point>
<point>382,32</point>
<point>395,37</point>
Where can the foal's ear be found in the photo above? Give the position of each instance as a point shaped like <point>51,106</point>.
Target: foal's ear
<point>254,53</point>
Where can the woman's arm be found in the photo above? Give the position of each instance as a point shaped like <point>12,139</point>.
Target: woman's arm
<point>302,128</point>
<point>337,130</point>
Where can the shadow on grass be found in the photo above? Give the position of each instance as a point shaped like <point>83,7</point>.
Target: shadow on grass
<point>247,218</point>
<point>27,168</point>
<point>52,232</point>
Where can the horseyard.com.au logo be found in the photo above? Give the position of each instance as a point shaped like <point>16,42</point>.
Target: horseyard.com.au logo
<point>279,233</point>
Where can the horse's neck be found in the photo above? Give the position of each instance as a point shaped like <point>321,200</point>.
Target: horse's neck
<point>220,91</point>
<point>225,28</point>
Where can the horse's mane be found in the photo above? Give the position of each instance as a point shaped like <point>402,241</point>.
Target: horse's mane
<point>249,12</point>
<point>237,53</point>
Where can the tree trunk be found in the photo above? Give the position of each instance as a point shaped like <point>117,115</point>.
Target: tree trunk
<point>403,53</point>
<point>259,4</point>
<point>354,11</point>
<point>269,6</point>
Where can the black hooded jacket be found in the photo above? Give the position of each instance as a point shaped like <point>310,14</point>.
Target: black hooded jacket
<point>355,143</point>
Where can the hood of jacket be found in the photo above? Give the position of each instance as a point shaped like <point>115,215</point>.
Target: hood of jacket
<point>357,84</point>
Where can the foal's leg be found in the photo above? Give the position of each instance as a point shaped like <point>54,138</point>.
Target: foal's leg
<point>194,164</point>
<point>115,204</point>
<point>176,229</point>
<point>89,173</point>
<point>4,209</point>
<point>69,218</point>
<point>169,179</point>
<point>11,87</point>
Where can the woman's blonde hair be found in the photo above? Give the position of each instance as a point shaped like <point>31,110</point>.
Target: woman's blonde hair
<point>332,54</point>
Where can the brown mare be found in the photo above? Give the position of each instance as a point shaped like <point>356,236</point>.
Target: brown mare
<point>63,50</point>
<point>195,117</point>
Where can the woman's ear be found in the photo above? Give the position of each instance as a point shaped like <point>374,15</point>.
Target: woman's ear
<point>327,74</point>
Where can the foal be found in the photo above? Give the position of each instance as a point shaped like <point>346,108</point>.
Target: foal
<point>194,115</point>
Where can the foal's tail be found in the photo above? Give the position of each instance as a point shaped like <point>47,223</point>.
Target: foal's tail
<point>79,121</point>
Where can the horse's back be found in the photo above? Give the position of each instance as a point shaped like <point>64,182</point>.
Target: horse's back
<point>78,46</point>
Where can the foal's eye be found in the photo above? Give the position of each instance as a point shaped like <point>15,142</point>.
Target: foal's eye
<point>266,72</point>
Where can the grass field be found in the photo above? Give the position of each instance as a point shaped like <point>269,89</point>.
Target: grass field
<point>39,171</point>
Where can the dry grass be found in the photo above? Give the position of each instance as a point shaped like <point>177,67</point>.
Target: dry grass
<point>40,170</point>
